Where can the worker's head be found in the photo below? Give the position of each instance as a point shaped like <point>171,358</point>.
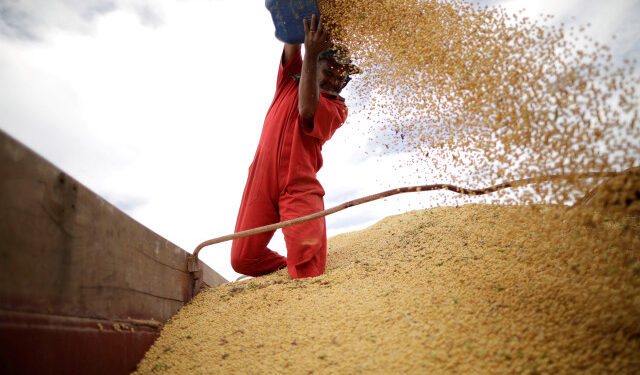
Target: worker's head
<point>335,69</point>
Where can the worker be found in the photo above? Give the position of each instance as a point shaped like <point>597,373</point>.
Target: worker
<point>282,184</point>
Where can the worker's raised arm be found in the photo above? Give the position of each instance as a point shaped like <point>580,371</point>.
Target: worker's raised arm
<point>289,51</point>
<point>315,41</point>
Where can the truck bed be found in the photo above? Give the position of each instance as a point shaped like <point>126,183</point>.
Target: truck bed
<point>84,288</point>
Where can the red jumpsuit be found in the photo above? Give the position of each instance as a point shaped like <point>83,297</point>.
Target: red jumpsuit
<point>282,183</point>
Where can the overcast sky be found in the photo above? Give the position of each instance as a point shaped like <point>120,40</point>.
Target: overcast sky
<point>157,106</point>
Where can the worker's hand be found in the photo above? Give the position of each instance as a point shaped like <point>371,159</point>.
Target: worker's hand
<point>316,38</point>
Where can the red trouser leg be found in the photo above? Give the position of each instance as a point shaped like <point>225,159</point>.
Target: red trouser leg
<point>250,255</point>
<point>306,242</point>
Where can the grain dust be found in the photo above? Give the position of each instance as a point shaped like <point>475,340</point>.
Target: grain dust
<point>479,96</point>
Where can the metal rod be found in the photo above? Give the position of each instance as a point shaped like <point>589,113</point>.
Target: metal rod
<point>407,189</point>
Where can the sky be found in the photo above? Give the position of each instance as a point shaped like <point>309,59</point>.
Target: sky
<point>157,106</point>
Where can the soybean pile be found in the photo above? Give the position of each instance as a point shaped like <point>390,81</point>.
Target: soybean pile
<point>483,289</point>
<point>479,96</point>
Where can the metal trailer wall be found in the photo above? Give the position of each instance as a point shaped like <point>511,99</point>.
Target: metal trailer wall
<point>84,289</point>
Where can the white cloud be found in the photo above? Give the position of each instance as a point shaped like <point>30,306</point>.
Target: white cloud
<point>35,19</point>
<point>615,17</point>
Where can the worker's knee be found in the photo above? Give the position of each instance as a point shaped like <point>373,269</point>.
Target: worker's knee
<point>238,259</point>
<point>240,264</point>
<point>255,259</point>
<point>257,267</point>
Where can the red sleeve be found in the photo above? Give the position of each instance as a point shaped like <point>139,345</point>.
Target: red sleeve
<point>293,66</point>
<point>330,115</point>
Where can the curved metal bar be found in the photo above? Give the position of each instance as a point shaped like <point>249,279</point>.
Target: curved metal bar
<point>388,193</point>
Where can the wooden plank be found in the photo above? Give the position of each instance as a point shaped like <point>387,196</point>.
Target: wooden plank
<point>66,252</point>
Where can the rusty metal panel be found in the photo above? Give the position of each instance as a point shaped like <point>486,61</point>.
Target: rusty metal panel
<point>48,344</point>
<point>66,253</point>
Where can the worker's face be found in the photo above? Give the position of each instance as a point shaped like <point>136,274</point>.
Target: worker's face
<point>331,76</point>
